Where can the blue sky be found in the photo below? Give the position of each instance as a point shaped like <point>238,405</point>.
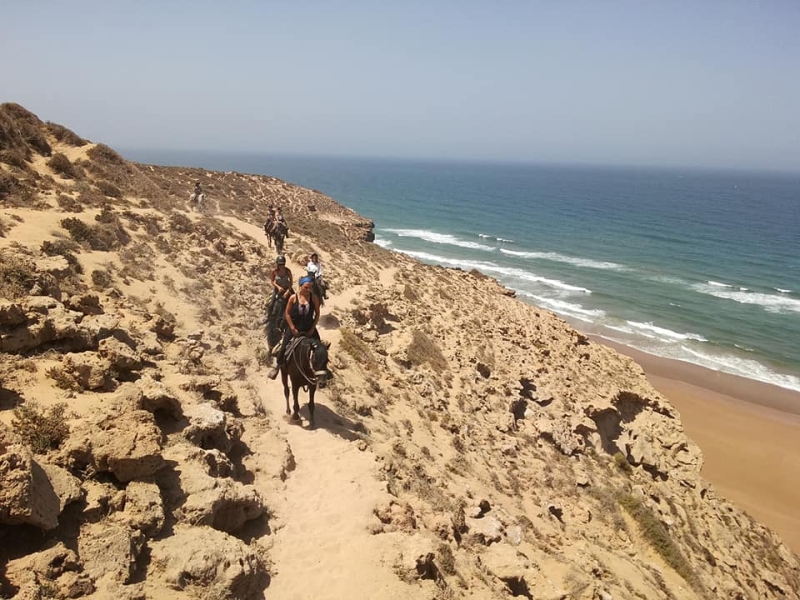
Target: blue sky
<point>708,84</point>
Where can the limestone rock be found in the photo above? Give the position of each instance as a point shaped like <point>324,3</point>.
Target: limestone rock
<point>144,509</point>
<point>209,563</point>
<point>127,445</point>
<point>485,530</point>
<point>156,396</point>
<point>88,370</point>
<point>110,550</point>
<point>65,485</point>
<point>119,355</point>
<point>26,494</point>
<point>208,427</point>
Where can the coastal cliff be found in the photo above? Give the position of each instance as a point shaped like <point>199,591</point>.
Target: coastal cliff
<point>468,445</point>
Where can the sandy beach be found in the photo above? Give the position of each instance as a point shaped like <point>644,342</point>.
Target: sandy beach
<point>749,433</point>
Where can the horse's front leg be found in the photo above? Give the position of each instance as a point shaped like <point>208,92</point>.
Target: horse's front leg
<point>295,391</point>
<point>285,389</point>
<point>311,390</point>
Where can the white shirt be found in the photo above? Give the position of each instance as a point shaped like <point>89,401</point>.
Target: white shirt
<point>315,268</point>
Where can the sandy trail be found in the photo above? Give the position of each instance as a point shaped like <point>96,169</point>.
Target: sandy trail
<point>323,512</point>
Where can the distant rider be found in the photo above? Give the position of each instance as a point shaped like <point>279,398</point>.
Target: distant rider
<point>314,269</point>
<point>302,316</point>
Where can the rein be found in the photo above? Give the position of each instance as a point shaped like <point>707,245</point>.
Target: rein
<point>309,380</point>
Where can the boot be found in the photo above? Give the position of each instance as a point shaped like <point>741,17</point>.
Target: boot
<point>274,372</point>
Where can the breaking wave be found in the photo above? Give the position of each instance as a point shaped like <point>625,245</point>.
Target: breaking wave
<point>572,260</point>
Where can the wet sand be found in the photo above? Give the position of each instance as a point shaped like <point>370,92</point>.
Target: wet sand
<point>749,433</point>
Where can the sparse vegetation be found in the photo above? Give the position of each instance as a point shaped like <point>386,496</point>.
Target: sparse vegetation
<point>424,350</point>
<point>102,279</point>
<point>658,537</point>
<point>107,235</point>
<point>65,248</point>
<point>63,166</point>
<point>69,204</point>
<point>64,135</point>
<point>622,463</point>
<point>17,276</point>
<point>446,559</point>
<point>41,429</point>
<point>108,189</point>
<point>358,349</point>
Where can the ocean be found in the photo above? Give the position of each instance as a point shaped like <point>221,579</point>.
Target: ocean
<point>702,267</point>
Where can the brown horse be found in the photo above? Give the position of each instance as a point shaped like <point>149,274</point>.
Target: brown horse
<point>306,364</point>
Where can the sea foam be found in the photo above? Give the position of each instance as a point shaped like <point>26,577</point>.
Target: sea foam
<point>572,260</point>
<point>770,302</point>
<point>493,268</point>
<point>439,238</point>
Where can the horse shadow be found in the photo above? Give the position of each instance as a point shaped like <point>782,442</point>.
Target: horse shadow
<point>330,420</point>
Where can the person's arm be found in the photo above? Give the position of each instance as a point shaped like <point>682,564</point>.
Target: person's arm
<point>288,317</point>
<point>272,274</point>
<point>291,281</point>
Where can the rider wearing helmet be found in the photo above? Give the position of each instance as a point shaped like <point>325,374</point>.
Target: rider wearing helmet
<point>302,316</point>
<point>281,278</point>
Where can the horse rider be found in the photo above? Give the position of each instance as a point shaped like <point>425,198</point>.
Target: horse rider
<point>198,191</point>
<point>269,225</point>
<point>281,279</point>
<point>314,269</point>
<point>302,316</point>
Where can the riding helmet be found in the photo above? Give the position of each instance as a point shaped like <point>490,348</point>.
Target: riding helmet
<point>281,261</point>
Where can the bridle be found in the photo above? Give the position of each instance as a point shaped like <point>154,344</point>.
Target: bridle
<point>312,380</point>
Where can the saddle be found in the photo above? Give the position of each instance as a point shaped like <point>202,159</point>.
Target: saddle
<point>293,345</point>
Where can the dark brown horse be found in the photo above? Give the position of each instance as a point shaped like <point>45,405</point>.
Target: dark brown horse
<point>306,364</point>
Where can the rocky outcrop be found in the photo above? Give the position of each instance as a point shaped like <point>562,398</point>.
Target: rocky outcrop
<point>209,563</point>
<point>128,447</point>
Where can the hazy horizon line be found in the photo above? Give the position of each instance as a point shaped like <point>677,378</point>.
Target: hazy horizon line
<point>463,160</point>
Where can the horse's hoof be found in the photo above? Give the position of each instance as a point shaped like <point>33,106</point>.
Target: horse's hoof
<point>295,416</point>
<point>311,424</point>
<point>288,412</point>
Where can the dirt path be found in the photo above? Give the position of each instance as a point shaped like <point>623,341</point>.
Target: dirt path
<point>321,545</point>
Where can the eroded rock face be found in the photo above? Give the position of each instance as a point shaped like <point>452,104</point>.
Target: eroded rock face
<point>128,446</point>
<point>209,563</point>
<point>26,494</point>
<point>202,492</point>
<point>209,427</point>
<point>109,550</point>
<point>144,508</point>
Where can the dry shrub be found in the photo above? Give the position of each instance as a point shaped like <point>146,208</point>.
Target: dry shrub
<point>101,278</point>
<point>69,204</point>
<point>64,135</point>
<point>424,350</point>
<point>181,223</point>
<point>358,349</point>
<point>62,165</point>
<point>41,429</point>
<point>7,184</point>
<point>108,234</point>
<point>104,154</point>
<point>15,158</point>
<point>65,248</point>
<point>17,276</point>
<point>108,189</point>
<point>659,538</point>
<point>22,129</point>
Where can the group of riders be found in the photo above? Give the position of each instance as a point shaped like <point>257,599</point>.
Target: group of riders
<point>293,314</point>
<point>276,229</point>
<point>290,314</point>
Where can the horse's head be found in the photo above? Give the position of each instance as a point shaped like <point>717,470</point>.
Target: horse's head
<point>319,361</point>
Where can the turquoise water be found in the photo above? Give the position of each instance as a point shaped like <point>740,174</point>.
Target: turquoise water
<point>699,266</point>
